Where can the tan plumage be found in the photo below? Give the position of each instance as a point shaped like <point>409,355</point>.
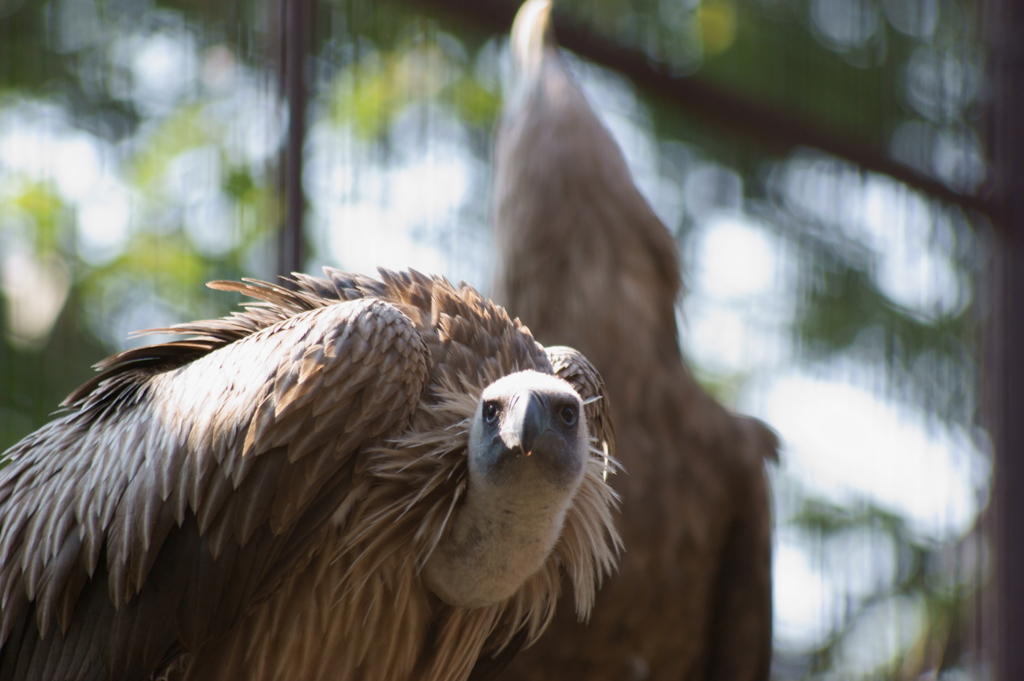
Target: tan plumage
<point>585,261</point>
<point>261,500</point>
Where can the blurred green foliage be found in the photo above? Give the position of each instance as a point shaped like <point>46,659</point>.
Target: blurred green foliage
<point>377,88</point>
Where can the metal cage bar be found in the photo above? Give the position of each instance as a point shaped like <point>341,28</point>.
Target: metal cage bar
<point>294,25</point>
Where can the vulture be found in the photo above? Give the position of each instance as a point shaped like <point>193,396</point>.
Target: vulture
<point>350,479</point>
<point>584,261</point>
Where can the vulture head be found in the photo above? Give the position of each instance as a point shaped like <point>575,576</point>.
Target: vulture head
<point>526,454</point>
<point>355,479</point>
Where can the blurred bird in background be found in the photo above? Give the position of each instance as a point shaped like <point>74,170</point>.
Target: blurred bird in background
<point>585,262</point>
<point>358,479</point>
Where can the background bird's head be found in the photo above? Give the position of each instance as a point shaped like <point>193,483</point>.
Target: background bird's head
<point>532,35</point>
<point>527,451</point>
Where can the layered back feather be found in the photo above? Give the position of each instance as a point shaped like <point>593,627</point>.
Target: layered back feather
<point>256,501</point>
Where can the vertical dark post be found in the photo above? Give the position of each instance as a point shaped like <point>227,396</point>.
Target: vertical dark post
<point>295,30</point>
<point>1006,362</point>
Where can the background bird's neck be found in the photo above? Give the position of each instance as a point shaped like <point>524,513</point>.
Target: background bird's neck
<point>584,261</point>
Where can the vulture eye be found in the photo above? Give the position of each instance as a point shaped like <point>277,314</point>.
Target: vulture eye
<point>490,412</point>
<point>568,415</point>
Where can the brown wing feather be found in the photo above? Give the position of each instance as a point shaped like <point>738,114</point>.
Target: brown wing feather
<point>741,640</point>
<point>146,518</point>
<point>571,366</point>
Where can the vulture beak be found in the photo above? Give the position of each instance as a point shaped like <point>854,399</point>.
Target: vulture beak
<point>534,439</point>
<point>526,420</point>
